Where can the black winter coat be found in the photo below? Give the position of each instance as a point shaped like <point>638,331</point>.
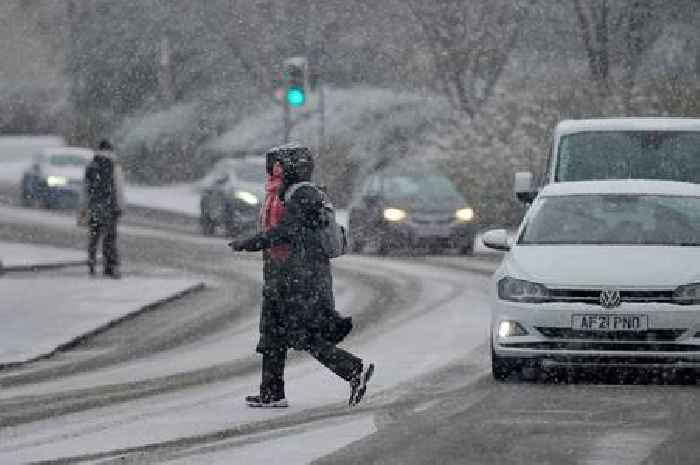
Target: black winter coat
<point>298,303</point>
<point>102,201</point>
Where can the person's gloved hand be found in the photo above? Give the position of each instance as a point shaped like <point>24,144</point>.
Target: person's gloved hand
<point>241,245</point>
<point>235,245</point>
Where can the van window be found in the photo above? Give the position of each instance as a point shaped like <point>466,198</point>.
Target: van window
<point>666,155</point>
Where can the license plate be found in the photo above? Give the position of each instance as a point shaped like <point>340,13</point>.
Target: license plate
<point>600,322</point>
<point>433,231</point>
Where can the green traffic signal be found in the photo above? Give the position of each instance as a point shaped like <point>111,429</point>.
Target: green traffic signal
<point>295,97</point>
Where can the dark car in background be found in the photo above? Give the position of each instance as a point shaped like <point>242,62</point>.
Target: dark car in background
<point>231,195</point>
<point>410,211</point>
<point>55,177</point>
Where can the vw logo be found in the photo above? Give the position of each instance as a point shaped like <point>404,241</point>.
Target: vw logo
<point>610,298</point>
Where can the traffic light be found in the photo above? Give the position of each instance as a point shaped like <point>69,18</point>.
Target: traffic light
<point>295,77</point>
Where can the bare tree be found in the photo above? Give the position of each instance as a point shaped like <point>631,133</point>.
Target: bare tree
<point>470,43</point>
<point>615,36</point>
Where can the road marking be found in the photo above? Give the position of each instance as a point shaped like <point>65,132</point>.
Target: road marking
<point>625,447</point>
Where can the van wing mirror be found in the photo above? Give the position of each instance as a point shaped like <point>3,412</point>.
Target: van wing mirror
<point>524,188</point>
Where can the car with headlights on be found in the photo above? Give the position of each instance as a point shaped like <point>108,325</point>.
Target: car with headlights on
<point>600,274</point>
<point>410,210</point>
<point>231,194</point>
<point>55,177</point>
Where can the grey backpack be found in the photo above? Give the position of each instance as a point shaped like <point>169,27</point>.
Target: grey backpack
<point>333,238</point>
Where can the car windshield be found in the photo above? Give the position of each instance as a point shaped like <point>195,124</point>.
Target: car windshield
<point>665,155</point>
<point>227,170</point>
<point>249,172</point>
<point>68,159</point>
<point>430,188</point>
<point>615,219</point>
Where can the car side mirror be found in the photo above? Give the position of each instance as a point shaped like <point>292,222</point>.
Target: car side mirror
<point>524,188</point>
<point>497,239</point>
<point>221,179</point>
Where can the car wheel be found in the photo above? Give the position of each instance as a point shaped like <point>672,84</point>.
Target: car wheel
<point>356,235</point>
<point>466,250</point>
<point>356,245</point>
<point>232,229</point>
<point>208,225</point>
<point>231,221</point>
<point>504,368</point>
<point>378,244</point>
<point>465,245</point>
<point>26,198</point>
<point>46,202</point>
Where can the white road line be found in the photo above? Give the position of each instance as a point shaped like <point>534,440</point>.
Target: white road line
<point>625,447</point>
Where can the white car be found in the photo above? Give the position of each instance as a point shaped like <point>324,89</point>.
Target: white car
<point>600,273</point>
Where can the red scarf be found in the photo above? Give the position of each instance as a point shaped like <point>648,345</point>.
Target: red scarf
<point>273,210</point>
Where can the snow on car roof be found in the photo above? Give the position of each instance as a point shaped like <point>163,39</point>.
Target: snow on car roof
<point>622,186</point>
<point>230,162</point>
<point>628,124</point>
<point>78,151</point>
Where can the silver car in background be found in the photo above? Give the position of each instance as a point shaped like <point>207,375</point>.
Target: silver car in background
<point>55,177</point>
<point>231,195</point>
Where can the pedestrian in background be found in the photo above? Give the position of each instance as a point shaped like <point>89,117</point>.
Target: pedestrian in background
<point>298,310</point>
<point>104,203</point>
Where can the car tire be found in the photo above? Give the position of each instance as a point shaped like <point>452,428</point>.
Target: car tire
<point>46,203</point>
<point>356,245</point>
<point>466,246</point>
<point>356,235</point>
<point>381,245</point>
<point>26,198</point>
<point>208,225</point>
<point>231,220</point>
<point>504,368</point>
<point>467,250</point>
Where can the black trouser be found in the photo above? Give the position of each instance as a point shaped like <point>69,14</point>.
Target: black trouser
<point>339,361</point>
<point>107,231</point>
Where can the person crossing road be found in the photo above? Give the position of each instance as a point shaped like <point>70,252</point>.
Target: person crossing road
<point>298,310</point>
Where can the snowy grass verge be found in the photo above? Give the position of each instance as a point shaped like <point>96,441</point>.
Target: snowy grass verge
<point>62,311</point>
<point>19,256</point>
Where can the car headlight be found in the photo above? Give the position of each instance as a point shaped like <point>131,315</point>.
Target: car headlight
<point>687,295</point>
<point>518,290</point>
<point>56,181</point>
<point>246,197</point>
<point>464,215</point>
<point>394,214</point>
<point>509,328</point>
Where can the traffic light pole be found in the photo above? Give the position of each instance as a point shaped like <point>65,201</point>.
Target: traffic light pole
<point>322,117</point>
<point>287,121</point>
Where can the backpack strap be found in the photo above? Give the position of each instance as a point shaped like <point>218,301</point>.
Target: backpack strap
<point>294,187</point>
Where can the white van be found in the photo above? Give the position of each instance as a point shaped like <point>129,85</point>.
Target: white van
<point>619,148</point>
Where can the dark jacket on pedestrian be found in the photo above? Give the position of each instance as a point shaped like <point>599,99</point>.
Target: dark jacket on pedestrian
<point>104,189</point>
<point>301,287</point>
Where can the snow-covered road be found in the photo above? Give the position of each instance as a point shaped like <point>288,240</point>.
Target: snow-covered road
<point>167,387</point>
<point>442,312</point>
